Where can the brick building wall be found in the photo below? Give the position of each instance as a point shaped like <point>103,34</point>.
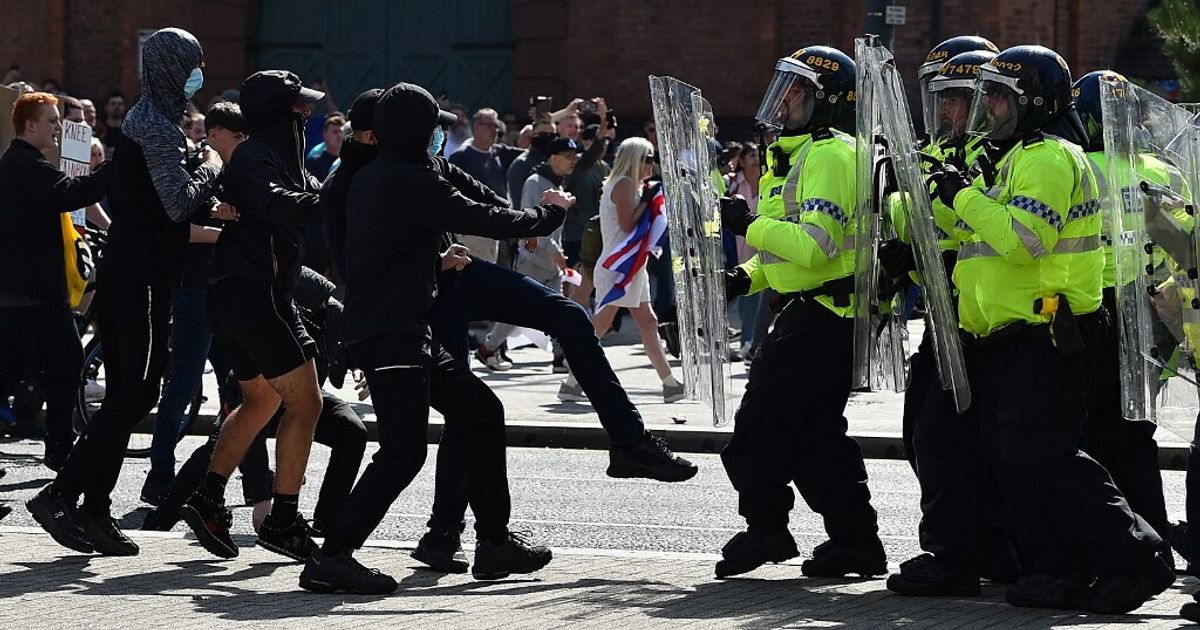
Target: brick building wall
<point>91,46</point>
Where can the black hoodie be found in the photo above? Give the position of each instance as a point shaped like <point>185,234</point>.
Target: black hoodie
<point>266,181</point>
<point>396,213</point>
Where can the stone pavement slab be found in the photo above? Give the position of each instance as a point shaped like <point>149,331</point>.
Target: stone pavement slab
<point>173,583</point>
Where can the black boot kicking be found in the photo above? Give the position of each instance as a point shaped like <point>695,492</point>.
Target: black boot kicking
<point>106,537</point>
<point>341,572</point>
<point>210,520</point>
<point>926,576</point>
<point>838,558</point>
<point>1043,590</point>
<point>648,458</point>
<point>496,561</point>
<point>1125,593</point>
<point>441,550</point>
<point>753,548</point>
<point>289,539</point>
<point>60,520</point>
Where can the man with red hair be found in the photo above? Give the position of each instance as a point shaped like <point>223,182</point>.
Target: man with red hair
<point>36,326</point>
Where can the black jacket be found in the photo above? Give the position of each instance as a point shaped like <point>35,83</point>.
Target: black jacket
<point>398,208</point>
<point>355,155</point>
<point>35,194</point>
<point>275,198</point>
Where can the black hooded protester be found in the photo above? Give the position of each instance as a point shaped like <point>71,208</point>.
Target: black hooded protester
<point>256,267</point>
<point>396,213</point>
<point>153,195</point>
<point>357,151</point>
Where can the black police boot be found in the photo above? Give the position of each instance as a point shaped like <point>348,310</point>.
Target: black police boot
<point>287,539</point>
<point>341,572</point>
<point>839,558</point>
<point>751,549</point>
<point>106,537</point>
<point>441,550</point>
<point>648,458</point>
<point>156,486</point>
<point>1124,593</point>
<point>1043,590</point>
<point>498,560</point>
<point>210,520</point>
<point>60,519</point>
<point>926,576</point>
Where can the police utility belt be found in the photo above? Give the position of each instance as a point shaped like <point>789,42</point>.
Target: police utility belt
<point>1065,330</point>
<point>839,291</point>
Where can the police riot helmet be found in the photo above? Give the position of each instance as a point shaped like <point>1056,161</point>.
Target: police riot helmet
<point>814,87</point>
<point>1019,91</point>
<point>952,90</point>
<point>1085,94</point>
<point>938,57</point>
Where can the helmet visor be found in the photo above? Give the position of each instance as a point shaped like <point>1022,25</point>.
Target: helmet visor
<point>951,111</point>
<point>927,104</point>
<point>789,100</point>
<point>993,110</point>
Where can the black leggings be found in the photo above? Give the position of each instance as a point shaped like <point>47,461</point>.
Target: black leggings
<point>338,427</point>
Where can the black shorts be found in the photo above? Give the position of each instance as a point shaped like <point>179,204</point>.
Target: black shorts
<point>258,328</point>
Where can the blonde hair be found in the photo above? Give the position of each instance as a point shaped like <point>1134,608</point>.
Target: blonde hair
<point>631,156</point>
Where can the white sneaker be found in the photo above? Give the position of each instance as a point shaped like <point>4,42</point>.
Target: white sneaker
<point>674,393</point>
<point>93,391</point>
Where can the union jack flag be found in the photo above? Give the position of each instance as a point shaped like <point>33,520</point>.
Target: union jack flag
<point>628,257</point>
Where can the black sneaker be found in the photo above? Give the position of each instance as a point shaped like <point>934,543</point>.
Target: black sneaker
<point>158,483</point>
<point>60,520</point>
<point>926,576</point>
<point>441,551</point>
<point>516,554</point>
<point>1125,593</point>
<point>292,540</point>
<point>751,549</point>
<point>160,520</point>
<point>106,537</point>
<point>55,456</point>
<point>210,521</point>
<point>1043,590</point>
<point>837,559</point>
<point>341,572</point>
<point>649,458</point>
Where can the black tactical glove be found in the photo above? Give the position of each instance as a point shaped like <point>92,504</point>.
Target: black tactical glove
<point>948,183</point>
<point>737,282</point>
<point>736,215</point>
<point>896,257</point>
<point>650,191</point>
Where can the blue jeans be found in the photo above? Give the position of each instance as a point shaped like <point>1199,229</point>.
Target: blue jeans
<point>191,341</point>
<point>484,291</point>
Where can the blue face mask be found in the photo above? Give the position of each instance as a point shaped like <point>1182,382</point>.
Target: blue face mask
<point>195,81</point>
<point>439,139</point>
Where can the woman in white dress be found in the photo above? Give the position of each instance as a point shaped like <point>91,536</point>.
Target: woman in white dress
<point>620,210</point>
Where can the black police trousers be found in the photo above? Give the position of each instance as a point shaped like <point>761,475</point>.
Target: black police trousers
<point>1065,512</point>
<point>486,291</point>
<point>407,375</point>
<point>134,324</point>
<point>962,521</point>
<point>789,427</point>
<point>1127,449</point>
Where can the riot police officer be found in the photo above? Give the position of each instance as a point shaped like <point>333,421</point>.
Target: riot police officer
<point>1029,281</point>
<point>961,530</point>
<point>790,425</point>
<point>1127,449</point>
<point>935,61</point>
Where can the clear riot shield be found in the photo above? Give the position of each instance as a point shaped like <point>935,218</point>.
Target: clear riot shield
<point>880,356</point>
<point>685,131</point>
<point>1151,155</point>
<point>894,122</point>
